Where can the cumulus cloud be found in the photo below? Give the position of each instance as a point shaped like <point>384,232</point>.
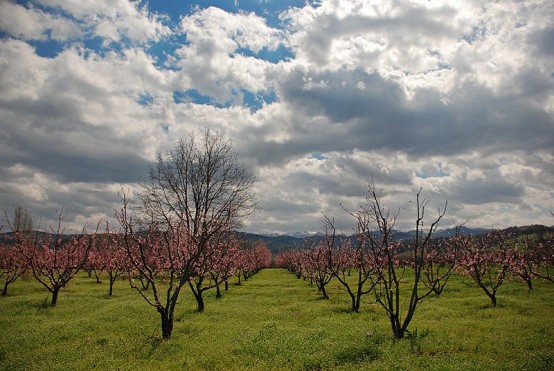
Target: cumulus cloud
<point>32,23</point>
<point>214,60</point>
<point>455,98</point>
<point>114,20</point>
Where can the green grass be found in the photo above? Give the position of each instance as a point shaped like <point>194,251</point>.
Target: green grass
<point>272,322</point>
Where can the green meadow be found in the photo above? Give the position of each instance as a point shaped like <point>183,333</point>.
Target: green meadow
<point>274,321</point>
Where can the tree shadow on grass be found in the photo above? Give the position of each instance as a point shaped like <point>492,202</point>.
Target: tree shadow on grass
<point>154,342</point>
<point>490,306</point>
<point>357,354</point>
<point>41,306</point>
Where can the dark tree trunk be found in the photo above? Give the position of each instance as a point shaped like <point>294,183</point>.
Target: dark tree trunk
<point>528,281</point>
<point>324,292</point>
<point>167,323</point>
<point>5,290</point>
<point>397,330</point>
<point>197,292</point>
<point>491,294</point>
<point>200,302</point>
<point>112,280</point>
<point>355,304</point>
<point>55,292</point>
<point>226,285</point>
<point>217,292</point>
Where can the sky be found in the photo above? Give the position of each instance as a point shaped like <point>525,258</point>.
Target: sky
<point>453,98</point>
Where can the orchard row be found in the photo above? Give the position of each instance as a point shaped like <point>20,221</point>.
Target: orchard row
<point>372,262</point>
<point>154,261</point>
<point>487,259</point>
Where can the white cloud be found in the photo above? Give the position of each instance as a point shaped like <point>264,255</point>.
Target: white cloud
<point>113,20</point>
<point>34,24</point>
<point>214,62</point>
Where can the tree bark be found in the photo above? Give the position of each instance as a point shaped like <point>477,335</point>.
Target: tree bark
<point>217,292</point>
<point>111,287</point>
<point>324,292</point>
<point>167,323</point>
<point>200,302</point>
<point>55,292</point>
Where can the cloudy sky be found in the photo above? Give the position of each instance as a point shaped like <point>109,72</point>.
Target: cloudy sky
<point>454,97</point>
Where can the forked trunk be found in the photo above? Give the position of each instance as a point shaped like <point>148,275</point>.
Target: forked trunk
<point>197,292</point>
<point>355,304</point>
<point>324,292</point>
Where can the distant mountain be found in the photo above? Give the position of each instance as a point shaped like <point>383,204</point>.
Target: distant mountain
<point>449,232</point>
<point>282,242</point>
<point>275,243</point>
<point>530,229</point>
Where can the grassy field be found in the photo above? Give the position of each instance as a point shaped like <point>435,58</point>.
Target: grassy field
<point>271,322</point>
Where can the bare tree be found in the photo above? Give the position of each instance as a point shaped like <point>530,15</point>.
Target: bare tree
<point>201,184</point>
<point>192,196</point>
<point>22,221</point>
<point>384,250</point>
<point>343,255</point>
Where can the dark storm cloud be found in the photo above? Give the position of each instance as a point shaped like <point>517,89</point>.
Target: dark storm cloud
<point>72,151</point>
<point>380,116</point>
<point>482,191</point>
<point>330,183</point>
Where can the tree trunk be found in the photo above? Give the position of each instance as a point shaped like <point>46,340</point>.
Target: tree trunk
<point>55,292</point>
<point>355,304</point>
<point>112,280</point>
<point>529,282</point>
<point>217,292</point>
<point>5,290</point>
<point>226,285</point>
<point>397,330</point>
<point>167,323</point>
<point>197,292</point>
<point>200,301</point>
<point>324,292</point>
<point>491,295</point>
